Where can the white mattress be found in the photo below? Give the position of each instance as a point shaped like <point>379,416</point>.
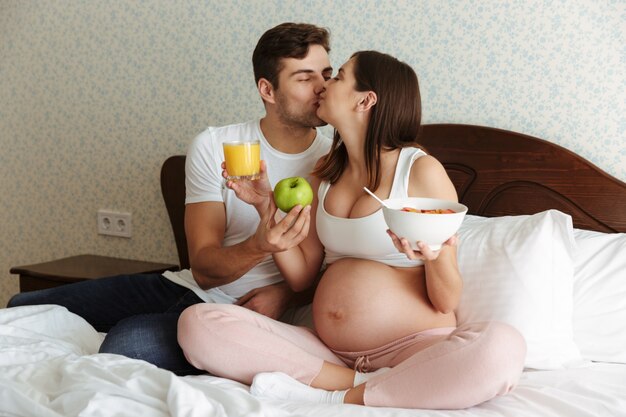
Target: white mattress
<point>48,367</point>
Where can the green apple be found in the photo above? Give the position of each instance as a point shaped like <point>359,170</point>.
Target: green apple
<point>290,192</point>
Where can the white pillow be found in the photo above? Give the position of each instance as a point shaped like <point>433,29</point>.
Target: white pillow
<point>600,295</point>
<point>519,270</point>
<point>50,330</point>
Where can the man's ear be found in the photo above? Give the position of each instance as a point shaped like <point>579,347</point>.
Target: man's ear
<point>266,90</point>
<point>368,100</point>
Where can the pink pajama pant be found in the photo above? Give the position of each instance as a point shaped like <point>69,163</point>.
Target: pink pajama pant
<point>446,368</point>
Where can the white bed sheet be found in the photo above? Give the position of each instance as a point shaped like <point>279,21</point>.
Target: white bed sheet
<point>48,367</point>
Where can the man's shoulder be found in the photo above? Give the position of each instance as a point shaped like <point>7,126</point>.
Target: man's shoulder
<point>213,136</point>
<point>234,130</point>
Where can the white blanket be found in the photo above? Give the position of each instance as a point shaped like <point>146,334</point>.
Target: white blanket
<point>49,367</point>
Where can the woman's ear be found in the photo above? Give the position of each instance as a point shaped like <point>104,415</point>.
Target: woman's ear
<point>367,101</point>
<point>266,90</point>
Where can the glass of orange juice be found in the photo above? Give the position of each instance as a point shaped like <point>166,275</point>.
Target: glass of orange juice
<point>243,159</point>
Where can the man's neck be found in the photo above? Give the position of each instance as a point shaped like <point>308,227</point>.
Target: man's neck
<point>287,138</point>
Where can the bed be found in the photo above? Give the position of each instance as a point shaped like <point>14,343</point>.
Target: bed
<point>552,226</point>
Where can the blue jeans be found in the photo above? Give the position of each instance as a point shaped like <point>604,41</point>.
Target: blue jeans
<point>139,313</point>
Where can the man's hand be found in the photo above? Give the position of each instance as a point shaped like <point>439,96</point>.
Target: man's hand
<point>271,300</point>
<point>272,236</point>
<point>274,233</point>
<point>254,192</point>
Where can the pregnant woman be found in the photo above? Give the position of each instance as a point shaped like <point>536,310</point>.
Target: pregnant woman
<point>385,328</point>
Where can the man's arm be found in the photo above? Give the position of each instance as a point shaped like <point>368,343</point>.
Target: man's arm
<point>212,264</point>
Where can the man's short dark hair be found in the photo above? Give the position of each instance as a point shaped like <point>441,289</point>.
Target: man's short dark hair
<point>287,40</point>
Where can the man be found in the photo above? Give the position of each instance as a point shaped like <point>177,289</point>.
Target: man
<point>230,248</point>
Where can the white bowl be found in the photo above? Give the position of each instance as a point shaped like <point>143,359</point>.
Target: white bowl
<point>433,229</point>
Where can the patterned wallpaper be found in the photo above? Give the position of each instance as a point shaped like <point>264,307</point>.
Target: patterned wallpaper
<point>94,95</point>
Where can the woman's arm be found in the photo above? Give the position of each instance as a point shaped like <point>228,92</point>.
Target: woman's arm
<point>300,265</point>
<point>443,279</point>
<point>428,178</point>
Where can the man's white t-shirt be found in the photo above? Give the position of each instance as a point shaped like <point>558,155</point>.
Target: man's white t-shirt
<point>204,182</point>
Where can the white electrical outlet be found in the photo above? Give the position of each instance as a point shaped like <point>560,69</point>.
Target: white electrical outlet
<point>114,223</point>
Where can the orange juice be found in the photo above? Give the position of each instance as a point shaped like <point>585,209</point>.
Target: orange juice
<point>243,159</point>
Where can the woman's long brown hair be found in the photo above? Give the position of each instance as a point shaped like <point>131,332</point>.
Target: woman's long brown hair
<point>395,119</point>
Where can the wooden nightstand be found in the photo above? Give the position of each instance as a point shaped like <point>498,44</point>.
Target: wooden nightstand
<point>80,268</point>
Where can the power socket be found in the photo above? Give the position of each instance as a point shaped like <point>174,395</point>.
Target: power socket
<point>114,223</point>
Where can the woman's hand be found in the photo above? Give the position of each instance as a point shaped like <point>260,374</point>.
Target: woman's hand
<point>254,192</point>
<point>271,300</point>
<point>424,253</point>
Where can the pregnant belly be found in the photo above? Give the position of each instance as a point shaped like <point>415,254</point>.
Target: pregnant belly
<point>361,305</point>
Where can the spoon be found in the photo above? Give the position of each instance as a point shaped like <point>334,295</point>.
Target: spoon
<point>382,203</point>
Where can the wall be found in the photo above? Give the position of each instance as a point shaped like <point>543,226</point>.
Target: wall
<point>94,95</point>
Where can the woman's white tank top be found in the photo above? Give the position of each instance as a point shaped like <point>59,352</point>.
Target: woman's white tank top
<point>365,237</point>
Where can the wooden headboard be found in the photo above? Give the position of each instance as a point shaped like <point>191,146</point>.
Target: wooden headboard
<point>497,173</point>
